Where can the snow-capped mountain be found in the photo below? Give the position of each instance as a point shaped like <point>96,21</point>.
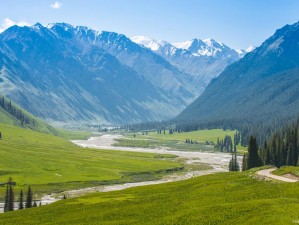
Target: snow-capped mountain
<point>207,47</point>
<point>242,52</point>
<point>75,74</point>
<point>71,73</point>
<point>203,59</point>
<point>263,80</point>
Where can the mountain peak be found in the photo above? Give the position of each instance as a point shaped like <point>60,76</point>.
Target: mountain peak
<point>149,42</point>
<point>65,26</point>
<point>38,26</point>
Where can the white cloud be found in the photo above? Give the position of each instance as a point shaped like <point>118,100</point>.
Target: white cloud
<point>56,5</point>
<point>8,23</point>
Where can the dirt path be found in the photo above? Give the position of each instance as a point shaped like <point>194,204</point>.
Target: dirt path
<point>268,173</point>
<point>218,162</point>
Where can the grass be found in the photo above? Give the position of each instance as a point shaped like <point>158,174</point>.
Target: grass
<point>200,135</point>
<point>132,143</point>
<point>176,141</point>
<point>38,125</point>
<point>52,164</point>
<point>287,169</point>
<point>223,198</point>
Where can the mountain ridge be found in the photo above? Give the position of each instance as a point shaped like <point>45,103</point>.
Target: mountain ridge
<point>250,88</point>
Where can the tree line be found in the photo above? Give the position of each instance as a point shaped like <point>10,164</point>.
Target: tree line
<point>10,198</point>
<point>281,149</point>
<point>16,112</point>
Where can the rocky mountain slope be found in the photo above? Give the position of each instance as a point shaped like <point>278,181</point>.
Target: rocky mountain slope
<point>262,86</point>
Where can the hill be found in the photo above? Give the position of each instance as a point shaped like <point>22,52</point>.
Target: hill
<point>12,114</point>
<point>223,198</point>
<point>259,88</point>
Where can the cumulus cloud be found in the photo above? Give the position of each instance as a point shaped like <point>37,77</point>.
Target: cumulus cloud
<point>56,5</point>
<point>6,23</point>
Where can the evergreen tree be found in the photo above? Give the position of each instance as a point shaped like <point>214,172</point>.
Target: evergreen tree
<point>233,163</point>
<point>244,162</point>
<point>9,197</point>
<point>290,156</point>
<point>6,201</point>
<point>21,200</point>
<point>267,157</point>
<point>253,159</point>
<point>29,198</point>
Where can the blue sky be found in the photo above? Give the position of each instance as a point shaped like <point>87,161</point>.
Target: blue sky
<point>237,23</point>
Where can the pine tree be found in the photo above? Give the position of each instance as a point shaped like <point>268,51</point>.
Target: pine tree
<point>267,157</point>
<point>21,200</point>
<point>253,159</point>
<point>290,156</point>
<point>29,198</point>
<point>11,199</point>
<point>244,162</point>
<point>233,163</point>
<point>6,201</point>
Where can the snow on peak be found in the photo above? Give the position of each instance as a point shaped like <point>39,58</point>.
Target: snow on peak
<point>250,48</point>
<point>205,47</point>
<point>240,51</point>
<point>183,45</point>
<point>148,42</point>
<point>211,42</point>
<point>243,52</point>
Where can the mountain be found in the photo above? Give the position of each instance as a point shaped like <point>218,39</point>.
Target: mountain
<point>242,52</point>
<point>203,59</point>
<point>73,74</point>
<point>262,86</point>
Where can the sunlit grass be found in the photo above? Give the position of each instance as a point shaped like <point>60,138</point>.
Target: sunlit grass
<point>50,163</point>
<point>224,198</point>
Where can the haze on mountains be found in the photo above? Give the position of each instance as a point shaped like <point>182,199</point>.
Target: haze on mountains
<point>262,86</point>
<point>67,74</point>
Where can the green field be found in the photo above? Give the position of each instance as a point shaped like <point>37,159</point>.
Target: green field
<point>287,169</point>
<point>176,141</point>
<point>52,164</point>
<point>223,198</point>
<point>200,135</point>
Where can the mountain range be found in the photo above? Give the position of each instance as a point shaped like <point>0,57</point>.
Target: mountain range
<point>72,74</point>
<point>203,59</point>
<point>263,86</point>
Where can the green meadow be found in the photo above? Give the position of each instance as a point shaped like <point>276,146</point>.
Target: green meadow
<point>223,198</point>
<point>176,141</point>
<point>52,164</point>
<point>294,170</point>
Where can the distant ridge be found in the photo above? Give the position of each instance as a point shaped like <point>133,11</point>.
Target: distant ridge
<point>262,86</point>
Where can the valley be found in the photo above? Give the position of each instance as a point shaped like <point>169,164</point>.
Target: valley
<point>149,112</point>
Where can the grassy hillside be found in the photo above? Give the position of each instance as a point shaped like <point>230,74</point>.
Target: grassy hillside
<point>12,114</point>
<point>224,198</point>
<point>52,164</point>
